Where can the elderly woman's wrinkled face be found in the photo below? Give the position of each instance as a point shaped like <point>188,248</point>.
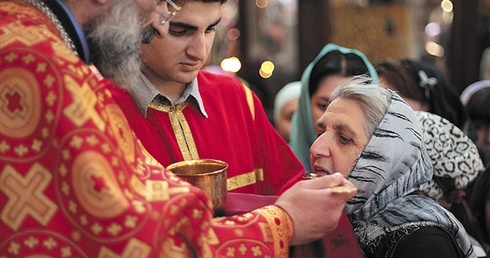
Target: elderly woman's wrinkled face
<point>321,98</point>
<point>342,137</point>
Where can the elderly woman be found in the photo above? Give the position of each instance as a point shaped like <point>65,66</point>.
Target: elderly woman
<point>370,135</point>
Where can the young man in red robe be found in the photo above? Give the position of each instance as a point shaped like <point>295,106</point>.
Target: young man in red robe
<point>182,113</point>
<point>74,179</point>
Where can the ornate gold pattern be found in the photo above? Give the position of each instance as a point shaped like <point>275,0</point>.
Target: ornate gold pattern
<point>19,94</point>
<point>73,183</point>
<point>181,129</point>
<point>83,108</point>
<point>245,179</point>
<point>27,37</point>
<point>156,190</point>
<point>134,248</point>
<point>20,99</point>
<point>95,190</point>
<point>121,129</point>
<point>279,227</point>
<point>259,174</point>
<point>40,243</point>
<point>26,197</point>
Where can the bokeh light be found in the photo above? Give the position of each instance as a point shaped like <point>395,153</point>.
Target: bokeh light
<point>261,3</point>
<point>266,69</point>
<point>447,6</point>
<point>434,49</point>
<point>432,29</point>
<point>231,64</point>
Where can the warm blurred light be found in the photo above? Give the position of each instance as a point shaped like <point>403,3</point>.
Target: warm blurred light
<point>267,67</point>
<point>447,6</point>
<point>264,74</point>
<point>432,29</point>
<point>447,17</point>
<point>261,3</point>
<point>232,64</point>
<point>233,34</point>
<point>434,49</point>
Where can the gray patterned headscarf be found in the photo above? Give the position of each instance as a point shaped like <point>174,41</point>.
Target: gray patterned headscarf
<point>393,165</point>
<point>454,156</point>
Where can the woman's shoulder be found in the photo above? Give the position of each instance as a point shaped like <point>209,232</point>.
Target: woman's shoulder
<point>429,241</point>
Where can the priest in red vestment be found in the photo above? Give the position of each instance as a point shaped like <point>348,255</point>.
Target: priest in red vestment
<point>74,179</point>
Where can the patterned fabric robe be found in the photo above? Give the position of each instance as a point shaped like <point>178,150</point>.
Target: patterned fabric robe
<point>75,181</point>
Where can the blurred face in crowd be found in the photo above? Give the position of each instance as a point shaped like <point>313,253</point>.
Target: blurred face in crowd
<point>284,124</point>
<point>114,36</point>
<point>321,98</point>
<point>483,136</point>
<point>183,50</point>
<point>342,137</point>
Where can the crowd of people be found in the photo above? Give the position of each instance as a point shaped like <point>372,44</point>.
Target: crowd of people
<point>98,97</point>
<point>454,129</point>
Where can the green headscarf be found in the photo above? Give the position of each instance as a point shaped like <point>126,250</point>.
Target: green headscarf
<point>302,127</point>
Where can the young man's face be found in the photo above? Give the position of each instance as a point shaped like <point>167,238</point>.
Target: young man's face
<point>181,49</point>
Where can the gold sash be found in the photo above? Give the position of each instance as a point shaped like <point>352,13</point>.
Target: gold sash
<point>181,129</point>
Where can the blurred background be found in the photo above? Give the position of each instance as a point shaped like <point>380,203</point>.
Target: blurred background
<point>268,43</point>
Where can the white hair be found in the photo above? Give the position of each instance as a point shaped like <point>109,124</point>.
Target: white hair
<point>373,98</point>
<point>114,39</point>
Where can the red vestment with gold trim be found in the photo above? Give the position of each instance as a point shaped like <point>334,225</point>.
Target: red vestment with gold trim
<point>237,131</point>
<point>75,181</point>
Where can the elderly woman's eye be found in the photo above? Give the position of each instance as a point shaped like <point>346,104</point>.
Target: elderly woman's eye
<point>344,139</point>
<point>319,133</point>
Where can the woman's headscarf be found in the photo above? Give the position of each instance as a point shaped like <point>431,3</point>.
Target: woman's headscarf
<point>302,125</point>
<point>393,165</point>
<point>454,156</point>
<point>287,93</point>
<point>472,89</point>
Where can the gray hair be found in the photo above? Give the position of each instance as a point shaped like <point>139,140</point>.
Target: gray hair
<point>373,98</point>
<point>114,42</point>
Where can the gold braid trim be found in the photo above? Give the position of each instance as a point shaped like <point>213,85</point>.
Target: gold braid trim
<point>279,229</point>
<point>245,179</point>
<point>250,100</point>
<point>181,129</point>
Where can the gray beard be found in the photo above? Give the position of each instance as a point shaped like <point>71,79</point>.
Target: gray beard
<point>114,42</point>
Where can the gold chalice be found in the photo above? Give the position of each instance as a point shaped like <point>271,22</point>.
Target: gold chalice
<point>207,174</point>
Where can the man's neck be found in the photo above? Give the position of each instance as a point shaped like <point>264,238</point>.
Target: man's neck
<point>172,90</point>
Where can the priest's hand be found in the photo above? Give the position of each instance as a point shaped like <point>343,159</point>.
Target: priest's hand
<point>315,206</point>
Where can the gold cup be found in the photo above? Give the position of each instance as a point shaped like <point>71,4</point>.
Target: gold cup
<point>207,174</point>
